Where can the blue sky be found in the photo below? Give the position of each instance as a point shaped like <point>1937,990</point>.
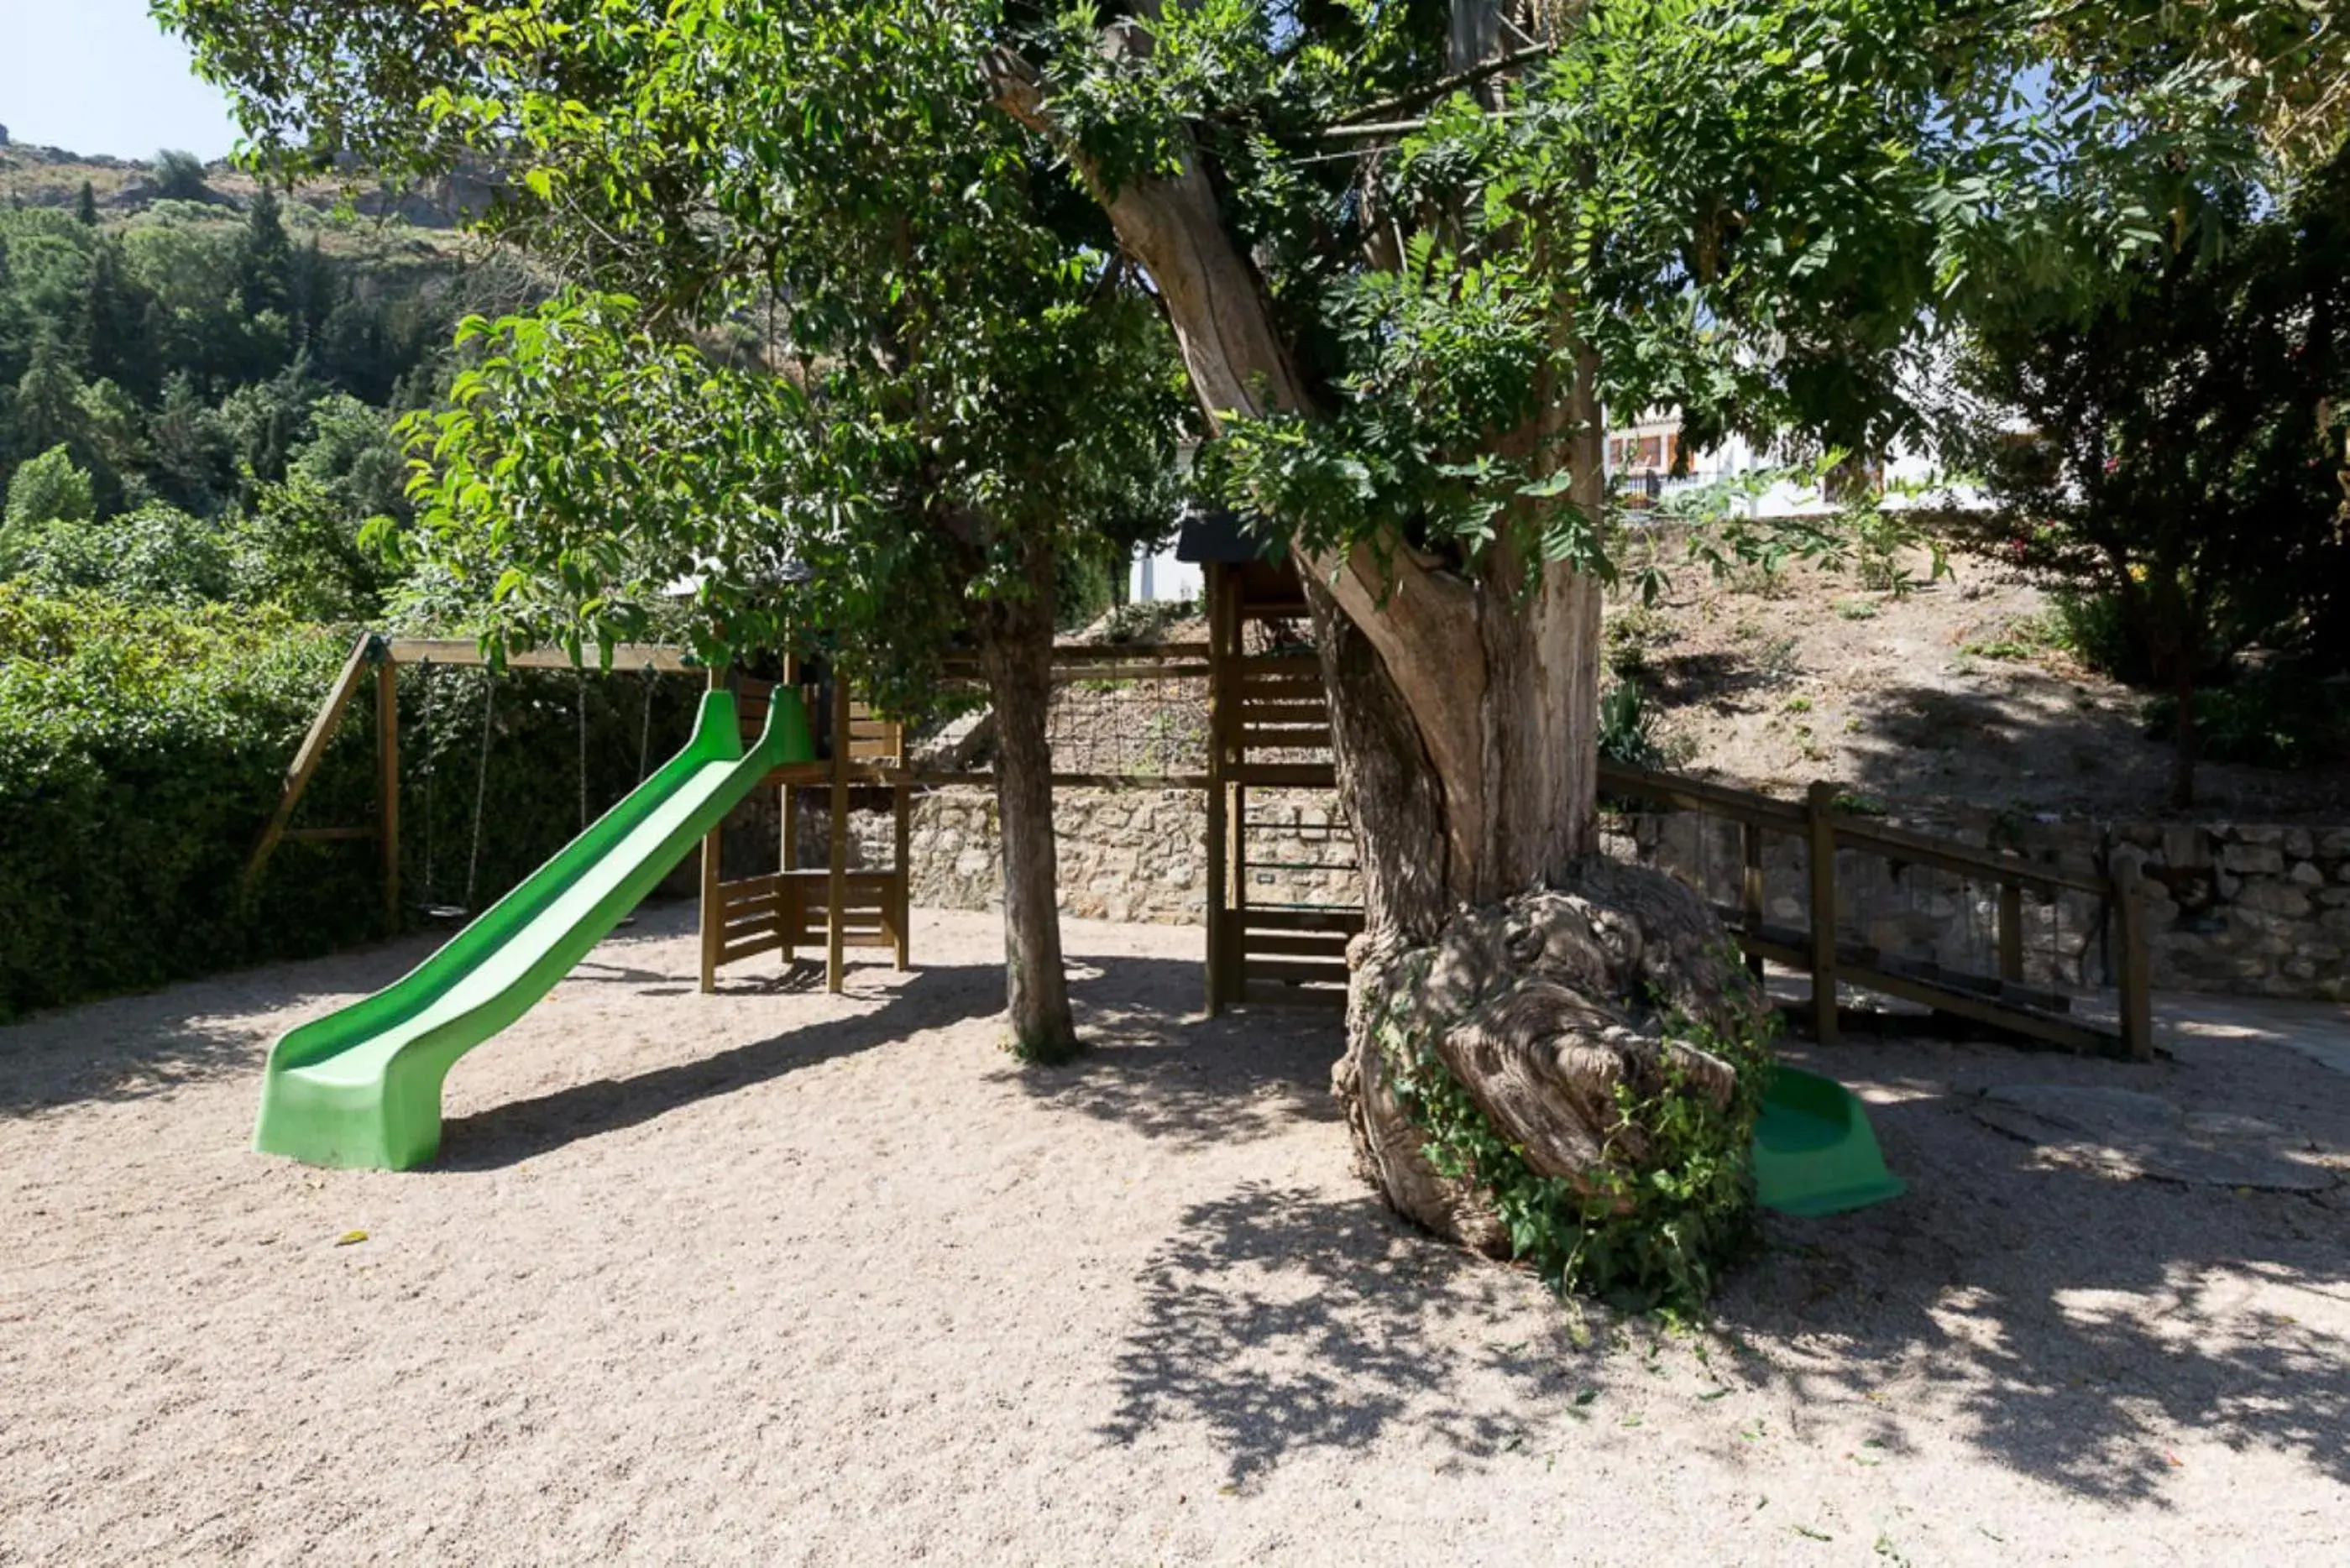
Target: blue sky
<point>99,75</point>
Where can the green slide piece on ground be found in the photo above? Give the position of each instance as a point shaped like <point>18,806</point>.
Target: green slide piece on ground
<point>361,1086</point>
<point>1815,1152</point>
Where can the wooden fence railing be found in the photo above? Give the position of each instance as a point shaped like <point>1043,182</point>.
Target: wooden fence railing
<point>2004,1000</point>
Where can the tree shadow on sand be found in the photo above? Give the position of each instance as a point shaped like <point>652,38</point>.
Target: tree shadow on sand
<point>129,1048</point>
<point>2065,1323</point>
<point>2073,1319</point>
<point>147,1042</point>
<point>1919,740</point>
<point>1155,1064</point>
<point>1283,1322</point>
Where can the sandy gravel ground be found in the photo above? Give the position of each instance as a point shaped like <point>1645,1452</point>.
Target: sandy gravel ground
<point>776,1277</point>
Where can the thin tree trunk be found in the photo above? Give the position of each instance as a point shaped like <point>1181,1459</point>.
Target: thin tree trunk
<point>2182,759</point>
<point>1015,646</point>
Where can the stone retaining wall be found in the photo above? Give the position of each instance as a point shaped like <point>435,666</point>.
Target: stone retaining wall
<point>1125,855</point>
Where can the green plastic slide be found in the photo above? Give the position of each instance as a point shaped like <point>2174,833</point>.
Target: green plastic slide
<point>1815,1152</point>
<point>361,1086</point>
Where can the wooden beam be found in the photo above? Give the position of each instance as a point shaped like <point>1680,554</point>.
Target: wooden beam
<point>714,911</point>
<point>387,772</point>
<point>1750,887</point>
<point>2011,931</point>
<point>1219,588</point>
<point>1695,794</point>
<point>1820,810</point>
<point>901,807</point>
<point>628,657</point>
<point>327,835</point>
<point>2134,981</point>
<point>932,778</point>
<point>1897,843</point>
<point>1329,917</point>
<point>835,918</point>
<point>308,756</point>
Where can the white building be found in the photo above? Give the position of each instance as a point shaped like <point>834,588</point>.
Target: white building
<point>1640,458</point>
<point>1157,576</point>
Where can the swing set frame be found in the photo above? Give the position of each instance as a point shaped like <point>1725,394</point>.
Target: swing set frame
<point>782,909</point>
<point>377,658</point>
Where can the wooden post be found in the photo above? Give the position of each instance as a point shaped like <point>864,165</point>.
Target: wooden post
<point>387,771</point>
<point>902,918</point>
<point>2134,981</point>
<point>1232,741</point>
<point>1820,809</point>
<point>2011,932</point>
<point>1219,588</point>
<point>836,884</point>
<point>1750,889</point>
<point>312,750</point>
<point>789,917</point>
<point>713,917</point>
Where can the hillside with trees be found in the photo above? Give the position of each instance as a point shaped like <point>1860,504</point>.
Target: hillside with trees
<point>201,382</point>
<point>200,377</point>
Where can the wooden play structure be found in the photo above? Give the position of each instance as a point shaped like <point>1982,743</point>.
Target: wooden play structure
<point>1833,833</point>
<point>860,754</point>
<point>375,660</point>
<point>1269,737</point>
<point>1268,767</point>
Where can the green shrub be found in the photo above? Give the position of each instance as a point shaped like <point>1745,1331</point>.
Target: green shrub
<point>1628,728</point>
<point>50,488</point>
<point>1146,620</point>
<point>1880,538</point>
<point>1082,589</point>
<point>142,748</point>
<point>157,553</point>
<point>139,751</point>
<point>2091,627</point>
<point>2276,718</point>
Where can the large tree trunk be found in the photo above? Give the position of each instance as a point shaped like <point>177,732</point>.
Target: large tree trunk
<point>1464,715</point>
<point>1015,648</point>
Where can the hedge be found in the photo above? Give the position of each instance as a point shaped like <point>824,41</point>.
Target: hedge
<point>142,748</point>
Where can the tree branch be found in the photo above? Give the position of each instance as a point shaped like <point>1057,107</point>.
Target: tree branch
<point>1444,87</point>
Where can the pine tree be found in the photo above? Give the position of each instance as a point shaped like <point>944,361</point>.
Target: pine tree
<point>86,206</point>
<point>114,319</point>
<point>264,260</point>
<point>190,449</point>
<point>47,407</point>
<point>313,294</point>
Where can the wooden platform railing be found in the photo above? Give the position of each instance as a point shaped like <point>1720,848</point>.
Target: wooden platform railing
<point>2003,1000</point>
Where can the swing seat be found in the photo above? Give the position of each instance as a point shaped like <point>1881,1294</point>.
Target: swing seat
<point>1815,1152</point>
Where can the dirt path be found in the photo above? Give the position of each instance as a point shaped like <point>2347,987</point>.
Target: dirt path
<point>776,1277</point>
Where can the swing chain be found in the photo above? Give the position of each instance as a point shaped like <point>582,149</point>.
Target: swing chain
<point>431,767</point>
<point>481,783</point>
<point>579,688</point>
<point>645,726</point>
